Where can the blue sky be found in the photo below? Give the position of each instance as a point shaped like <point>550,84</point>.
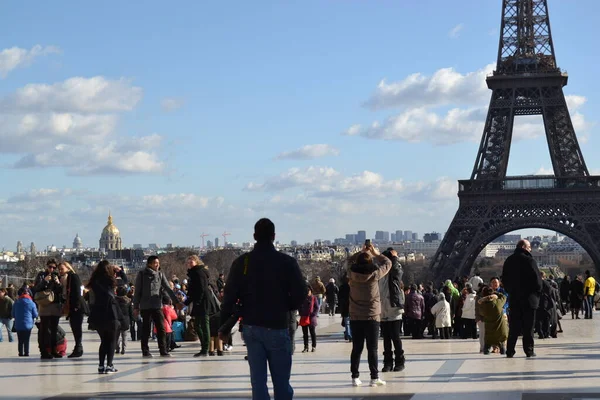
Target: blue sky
<point>194,118</point>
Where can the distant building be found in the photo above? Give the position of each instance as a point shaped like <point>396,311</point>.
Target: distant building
<point>111,237</point>
<point>153,246</point>
<point>137,246</point>
<point>408,235</point>
<point>399,236</point>
<point>507,239</point>
<point>32,250</point>
<point>350,238</point>
<point>415,236</point>
<point>169,246</point>
<point>294,243</point>
<point>216,242</point>
<point>77,243</point>
<point>19,247</point>
<point>361,236</point>
<point>393,237</point>
<point>430,237</point>
<point>209,244</point>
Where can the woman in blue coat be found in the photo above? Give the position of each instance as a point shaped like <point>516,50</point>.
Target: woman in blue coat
<point>24,312</point>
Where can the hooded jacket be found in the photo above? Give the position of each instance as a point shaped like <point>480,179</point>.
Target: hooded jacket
<point>24,312</point>
<point>365,302</point>
<point>441,310</point>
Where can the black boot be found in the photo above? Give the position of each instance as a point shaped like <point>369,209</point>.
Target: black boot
<point>399,362</point>
<point>388,362</point>
<point>77,352</point>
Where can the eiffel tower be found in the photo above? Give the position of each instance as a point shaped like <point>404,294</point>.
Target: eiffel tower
<point>526,82</point>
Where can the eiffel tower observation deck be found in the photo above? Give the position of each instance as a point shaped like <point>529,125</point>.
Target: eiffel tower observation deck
<point>526,81</point>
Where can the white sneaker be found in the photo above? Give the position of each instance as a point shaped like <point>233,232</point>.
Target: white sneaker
<point>356,382</point>
<point>377,382</point>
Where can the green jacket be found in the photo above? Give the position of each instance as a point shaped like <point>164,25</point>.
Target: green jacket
<point>6,306</point>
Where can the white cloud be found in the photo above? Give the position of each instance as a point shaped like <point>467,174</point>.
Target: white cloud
<point>445,86</point>
<point>16,57</point>
<point>72,124</point>
<point>169,104</point>
<point>327,182</point>
<point>99,159</point>
<point>421,125</point>
<point>424,124</point>
<point>544,171</point>
<point>455,32</point>
<point>309,152</point>
<point>83,95</point>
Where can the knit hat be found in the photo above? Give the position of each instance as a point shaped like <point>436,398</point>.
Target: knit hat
<point>24,290</point>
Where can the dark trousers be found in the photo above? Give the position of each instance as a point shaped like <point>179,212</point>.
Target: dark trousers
<point>202,326</point>
<point>23,339</point>
<point>76,322</point>
<point>542,324</point>
<point>521,320</point>
<point>48,329</point>
<point>391,335</point>
<point>416,327</point>
<point>108,332</point>
<point>468,328</point>
<point>135,327</point>
<point>331,307</point>
<point>159,322</point>
<point>313,335</point>
<point>364,331</point>
<point>445,333</point>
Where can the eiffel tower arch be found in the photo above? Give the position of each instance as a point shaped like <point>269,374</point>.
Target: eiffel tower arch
<point>526,82</point>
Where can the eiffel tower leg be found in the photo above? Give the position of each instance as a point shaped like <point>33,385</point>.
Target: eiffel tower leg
<point>565,152</point>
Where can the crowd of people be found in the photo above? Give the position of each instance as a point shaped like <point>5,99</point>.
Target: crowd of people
<point>268,299</point>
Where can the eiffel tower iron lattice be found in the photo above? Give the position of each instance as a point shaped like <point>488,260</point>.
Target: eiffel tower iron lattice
<point>526,81</point>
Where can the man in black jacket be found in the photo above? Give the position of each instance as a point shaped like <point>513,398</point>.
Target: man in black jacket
<point>267,285</point>
<point>523,283</point>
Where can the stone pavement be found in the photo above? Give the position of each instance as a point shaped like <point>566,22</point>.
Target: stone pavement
<point>565,368</point>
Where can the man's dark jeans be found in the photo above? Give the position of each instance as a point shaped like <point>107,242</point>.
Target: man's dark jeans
<point>364,331</point>
<point>270,347</point>
<point>521,320</point>
<point>391,334</point>
<point>159,322</point>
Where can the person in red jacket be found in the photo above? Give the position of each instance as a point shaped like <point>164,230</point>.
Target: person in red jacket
<point>170,315</point>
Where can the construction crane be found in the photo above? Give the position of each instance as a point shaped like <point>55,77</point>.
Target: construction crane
<point>203,236</point>
<point>225,234</point>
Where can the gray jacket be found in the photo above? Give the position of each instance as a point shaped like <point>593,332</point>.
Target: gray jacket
<point>150,286</point>
<point>389,313</point>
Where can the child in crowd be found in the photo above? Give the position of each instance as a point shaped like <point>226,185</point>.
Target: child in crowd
<point>443,318</point>
<point>309,310</point>
<point>491,307</point>
<point>24,312</point>
<point>170,315</point>
<point>126,307</point>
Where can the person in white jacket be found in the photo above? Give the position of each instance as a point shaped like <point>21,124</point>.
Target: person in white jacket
<point>468,326</point>
<point>443,318</point>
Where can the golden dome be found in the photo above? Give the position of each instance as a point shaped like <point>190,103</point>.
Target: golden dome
<point>110,228</point>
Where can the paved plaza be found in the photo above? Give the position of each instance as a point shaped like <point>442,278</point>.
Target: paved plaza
<point>565,368</point>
